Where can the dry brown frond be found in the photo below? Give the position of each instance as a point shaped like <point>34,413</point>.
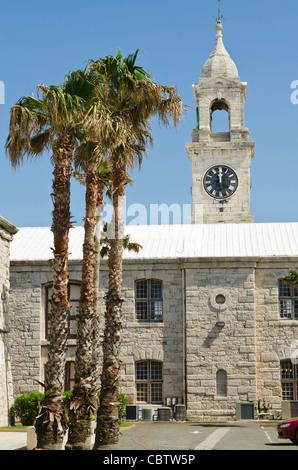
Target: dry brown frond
<point>23,125</point>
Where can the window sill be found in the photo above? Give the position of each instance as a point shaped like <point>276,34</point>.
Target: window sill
<point>287,322</point>
<point>70,342</point>
<point>144,324</point>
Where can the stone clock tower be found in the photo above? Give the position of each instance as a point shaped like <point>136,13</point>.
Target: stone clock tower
<point>220,160</point>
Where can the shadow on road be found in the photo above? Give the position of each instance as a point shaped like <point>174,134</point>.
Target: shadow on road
<point>281,444</point>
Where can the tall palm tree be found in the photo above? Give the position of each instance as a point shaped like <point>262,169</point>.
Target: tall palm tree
<point>53,121</point>
<point>135,99</point>
<point>95,172</point>
<point>92,168</point>
<point>83,401</point>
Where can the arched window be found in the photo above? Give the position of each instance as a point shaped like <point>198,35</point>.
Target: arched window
<point>221,383</point>
<point>149,380</point>
<point>219,116</point>
<point>149,304</point>
<point>289,380</point>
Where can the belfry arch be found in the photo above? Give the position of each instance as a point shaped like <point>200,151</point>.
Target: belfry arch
<point>218,105</point>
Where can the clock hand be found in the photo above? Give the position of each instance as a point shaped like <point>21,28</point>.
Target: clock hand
<point>220,175</point>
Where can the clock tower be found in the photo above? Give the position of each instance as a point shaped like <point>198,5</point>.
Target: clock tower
<point>220,160</point>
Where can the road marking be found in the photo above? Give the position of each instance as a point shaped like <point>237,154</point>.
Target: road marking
<point>210,442</point>
<point>267,435</point>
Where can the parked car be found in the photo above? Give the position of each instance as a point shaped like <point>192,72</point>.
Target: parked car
<point>288,429</point>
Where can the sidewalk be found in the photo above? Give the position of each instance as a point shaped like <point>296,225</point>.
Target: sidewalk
<point>13,440</point>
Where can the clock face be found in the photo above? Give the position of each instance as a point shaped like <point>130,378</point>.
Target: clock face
<point>220,182</point>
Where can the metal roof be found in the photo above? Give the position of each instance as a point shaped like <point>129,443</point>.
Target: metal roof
<point>174,241</point>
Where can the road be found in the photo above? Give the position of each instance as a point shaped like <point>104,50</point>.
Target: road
<point>189,436</point>
<point>180,436</point>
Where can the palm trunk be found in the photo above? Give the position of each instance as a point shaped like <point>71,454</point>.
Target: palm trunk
<point>107,431</point>
<point>83,402</point>
<point>96,332</point>
<point>51,424</point>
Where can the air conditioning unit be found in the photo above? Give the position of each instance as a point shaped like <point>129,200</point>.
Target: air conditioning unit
<point>148,414</point>
<point>289,409</point>
<point>164,414</point>
<point>179,412</point>
<point>132,412</point>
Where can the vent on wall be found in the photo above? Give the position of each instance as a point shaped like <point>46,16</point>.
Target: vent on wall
<point>245,411</point>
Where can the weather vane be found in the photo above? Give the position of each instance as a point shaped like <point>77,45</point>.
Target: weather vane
<point>220,16</point>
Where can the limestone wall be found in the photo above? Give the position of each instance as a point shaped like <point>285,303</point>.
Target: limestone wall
<point>220,337</point>
<point>275,336</point>
<point>140,341</point>
<point>6,388</point>
<point>242,335</point>
<point>154,341</point>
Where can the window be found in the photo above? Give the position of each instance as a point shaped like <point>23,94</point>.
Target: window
<point>149,381</point>
<point>69,376</point>
<point>221,383</point>
<point>149,305</point>
<point>288,301</point>
<point>289,380</point>
<point>74,296</point>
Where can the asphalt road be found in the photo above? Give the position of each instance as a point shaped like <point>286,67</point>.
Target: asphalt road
<point>189,436</point>
<point>174,436</point>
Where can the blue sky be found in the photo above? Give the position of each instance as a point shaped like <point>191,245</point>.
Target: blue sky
<point>41,42</point>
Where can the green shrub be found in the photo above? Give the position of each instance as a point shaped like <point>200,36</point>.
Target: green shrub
<point>26,407</point>
<point>122,407</point>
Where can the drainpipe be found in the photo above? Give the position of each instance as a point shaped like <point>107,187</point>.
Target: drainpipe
<point>183,289</point>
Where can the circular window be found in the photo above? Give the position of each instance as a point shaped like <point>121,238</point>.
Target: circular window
<point>220,299</point>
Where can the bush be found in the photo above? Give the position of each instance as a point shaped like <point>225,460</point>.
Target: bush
<point>26,407</point>
<point>122,407</point>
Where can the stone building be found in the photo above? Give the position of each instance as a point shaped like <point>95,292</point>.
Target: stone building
<point>206,320</point>
<point>7,231</point>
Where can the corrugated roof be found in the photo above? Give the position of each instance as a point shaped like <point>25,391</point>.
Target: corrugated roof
<point>174,241</point>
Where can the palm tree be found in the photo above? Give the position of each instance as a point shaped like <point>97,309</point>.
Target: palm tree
<point>135,99</point>
<point>53,121</point>
<point>83,401</point>
<point>96,176</point>
<point>92,169</point>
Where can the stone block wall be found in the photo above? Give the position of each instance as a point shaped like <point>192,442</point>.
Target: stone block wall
<point>242,336</point>
<point>220,337</point>
<point>26,319</point>
<point>275,335</point>
<point>153,341</point>
<point>140,341</point>
<point>7,231</point>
